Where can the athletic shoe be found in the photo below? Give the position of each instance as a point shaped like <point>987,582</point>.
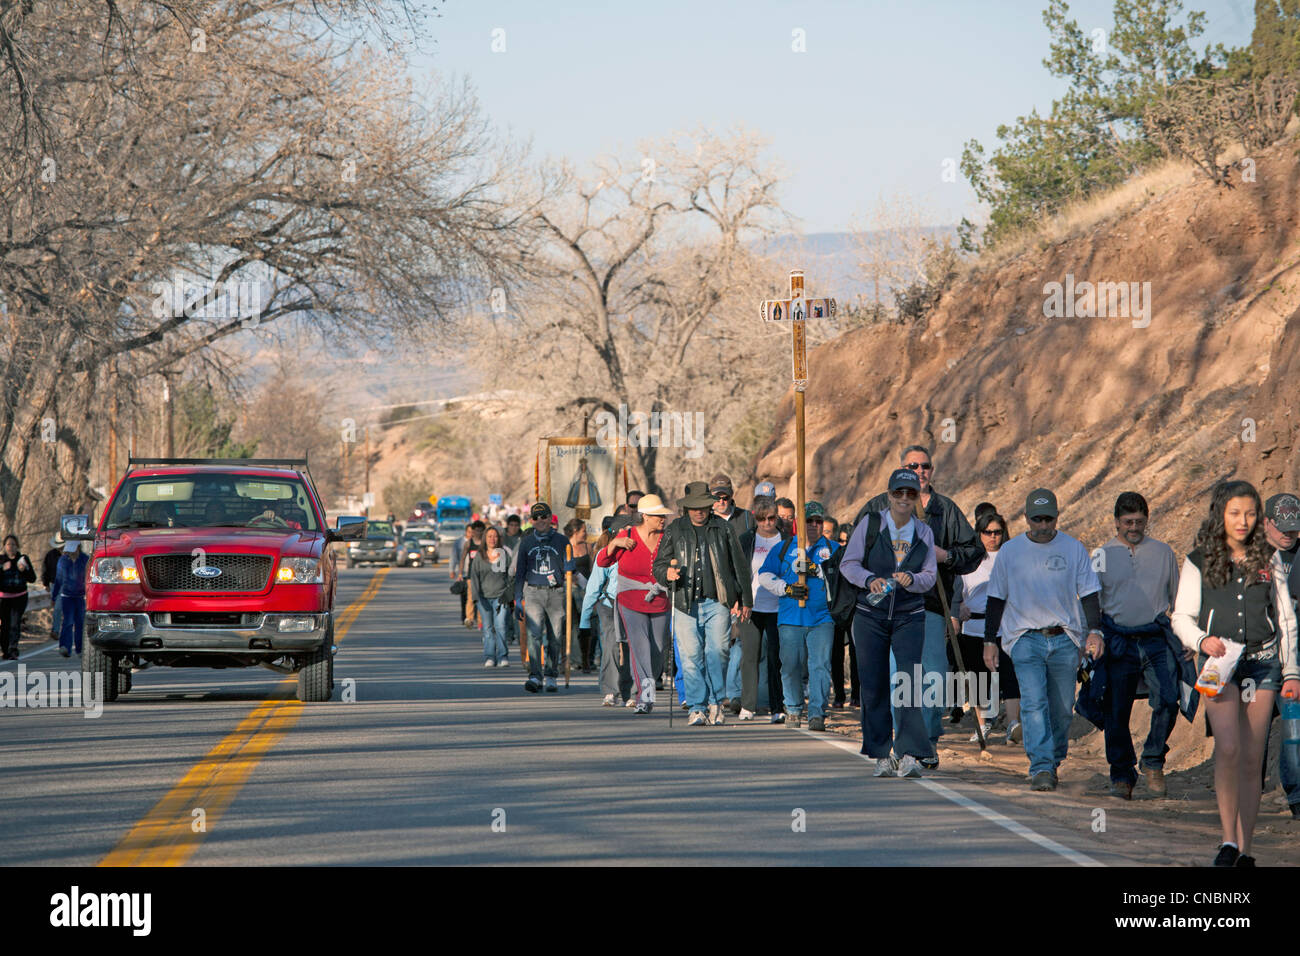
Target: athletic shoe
<point>1122,789</point>
<point>929,763</point>
<point>489,664</point>
<point>608,701</point>
<point>1227,855</point>
<point>63,652</point>
<point>532,685</point>
<point>1043,780</point>
<point>717,715</point>
<point>685,706</point>
<point>909,766</point>
<point>1013,733</point>
<point>630,702</point>
<point>1244,860</point>
<point>777,718</point>
<point>816,723</point>
<point>792,719</point>
<point>550,685</point>
<point>641,709</point>
<point>697,719</point>
<point>503,663</point>
<point>886,767</point>
<point>749,715</point>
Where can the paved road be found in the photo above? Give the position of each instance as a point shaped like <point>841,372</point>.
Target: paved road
<point>441,761</point>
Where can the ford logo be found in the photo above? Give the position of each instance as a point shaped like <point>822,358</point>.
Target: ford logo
<point>207,571</point>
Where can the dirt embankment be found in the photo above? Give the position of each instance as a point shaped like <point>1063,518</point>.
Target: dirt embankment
<point>1010,398</point>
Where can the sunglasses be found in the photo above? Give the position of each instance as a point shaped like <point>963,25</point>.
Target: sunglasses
<point>722,496</point>
<point>904,493</point>
<point>766,518</point>
<point>924,466</point>
<point>993,531</point>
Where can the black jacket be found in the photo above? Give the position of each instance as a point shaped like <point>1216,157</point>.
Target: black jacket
<point>16,579</point>
<point>730,567</point>
<point>952,532</point>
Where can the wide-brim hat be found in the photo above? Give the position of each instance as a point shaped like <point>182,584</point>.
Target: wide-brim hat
<point>653,505</point>
<point>696,496</point>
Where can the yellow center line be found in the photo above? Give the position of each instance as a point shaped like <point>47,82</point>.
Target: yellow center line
<point>170,833</point>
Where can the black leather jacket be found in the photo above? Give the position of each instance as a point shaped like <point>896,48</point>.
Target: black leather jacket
<point>731,572</point>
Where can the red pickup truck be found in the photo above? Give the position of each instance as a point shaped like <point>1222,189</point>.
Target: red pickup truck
<point>212,563</point>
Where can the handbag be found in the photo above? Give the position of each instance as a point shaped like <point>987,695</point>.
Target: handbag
<point>458,587</point>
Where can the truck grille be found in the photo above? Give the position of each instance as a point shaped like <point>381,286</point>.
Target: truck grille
<point>239,572</point>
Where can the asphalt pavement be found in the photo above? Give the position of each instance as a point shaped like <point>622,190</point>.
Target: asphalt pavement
<point>425,757</point>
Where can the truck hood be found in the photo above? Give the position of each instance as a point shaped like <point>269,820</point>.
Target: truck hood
<point>146,541</point>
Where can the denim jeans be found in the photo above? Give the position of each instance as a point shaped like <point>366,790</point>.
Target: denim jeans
<point>806,654</point>
<point>1046,666</point>
<point>702,642</point>
<point>543,606</point>
<point>495,614</point>
<point>1126,658</point>
<point>74,621</point>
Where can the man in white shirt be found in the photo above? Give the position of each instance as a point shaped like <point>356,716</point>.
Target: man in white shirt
<point>1139,581</point>
<point>1042,596</point>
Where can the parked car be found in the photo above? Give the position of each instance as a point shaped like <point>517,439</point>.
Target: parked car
<point>212,563</point>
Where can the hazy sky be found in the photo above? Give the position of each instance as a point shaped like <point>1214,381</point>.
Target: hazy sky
<point>885,92</point>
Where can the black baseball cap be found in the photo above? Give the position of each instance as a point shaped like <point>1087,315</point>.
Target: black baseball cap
<point>814,509</point>
<point>1041,503</point>
<point>540,511</point>
<point>1284,511</point>
<point>904,478</point>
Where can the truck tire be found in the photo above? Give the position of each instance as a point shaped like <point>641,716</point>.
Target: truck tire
<point>94,661</point>
<point>315,681</point>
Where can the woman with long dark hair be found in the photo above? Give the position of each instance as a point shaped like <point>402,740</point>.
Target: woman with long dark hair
<point>16,572</point>
<point>1232,589</point>
<point>489,574</point>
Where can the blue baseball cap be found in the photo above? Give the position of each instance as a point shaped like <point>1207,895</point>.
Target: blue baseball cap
<point>904,478</point>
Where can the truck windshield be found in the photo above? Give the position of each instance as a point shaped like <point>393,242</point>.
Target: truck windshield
<point>209,500</point>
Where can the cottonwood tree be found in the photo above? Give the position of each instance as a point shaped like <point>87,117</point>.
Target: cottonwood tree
<point>643,291</point>
<point>274,161</point>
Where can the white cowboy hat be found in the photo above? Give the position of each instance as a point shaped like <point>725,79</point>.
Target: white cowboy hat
<point>653,505</point>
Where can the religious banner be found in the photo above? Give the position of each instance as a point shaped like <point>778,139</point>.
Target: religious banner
<point>580,481</point>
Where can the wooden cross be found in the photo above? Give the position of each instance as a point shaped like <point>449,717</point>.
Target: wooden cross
<point>797,310</point>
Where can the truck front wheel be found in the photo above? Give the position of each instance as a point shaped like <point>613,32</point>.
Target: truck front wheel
<point>315,677</point>
<point>94,661</point>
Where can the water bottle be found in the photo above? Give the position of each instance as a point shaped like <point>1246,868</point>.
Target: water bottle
<point>875,599</point>
<point>1290,730</point>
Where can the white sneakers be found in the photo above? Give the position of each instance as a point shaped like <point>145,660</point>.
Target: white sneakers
<point>745,714</point>
<point>489,664</point>
<point>891,766</point>
<point>778,718</point>
<point>717,717</point>
<point>608,701</point>
<point>696,719</point>
<point>909,766</point>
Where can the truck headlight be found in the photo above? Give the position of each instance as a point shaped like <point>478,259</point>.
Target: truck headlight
<point>388,544</point>
<point>299,571</point>
<point>295,625</point>
<point>114,571</point>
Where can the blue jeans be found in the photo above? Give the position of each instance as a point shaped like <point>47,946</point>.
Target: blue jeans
<point>1125,658</point>
<point>74,621</point>
<point>806,653</point>
<point>1046,665</point>
<point>1288,765</point>
<point>877,637</point>
<point>702,641</point>
<point>496,621</point>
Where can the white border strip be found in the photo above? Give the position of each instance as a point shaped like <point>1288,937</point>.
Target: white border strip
<point>36,653</point>
<point>974,806</point>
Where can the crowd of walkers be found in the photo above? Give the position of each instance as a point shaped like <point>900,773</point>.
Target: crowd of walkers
<point>719,604</point>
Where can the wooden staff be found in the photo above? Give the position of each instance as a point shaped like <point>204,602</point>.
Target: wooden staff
<point>568,613</point>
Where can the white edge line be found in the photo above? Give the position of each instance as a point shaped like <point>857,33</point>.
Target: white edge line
<point>28,656</point>
<point>974,806</point>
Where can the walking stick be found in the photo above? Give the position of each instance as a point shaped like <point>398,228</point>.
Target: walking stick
<point>523,637</point>
<point>672,642</point>
<point>568,614</point>
<point>961,666</point>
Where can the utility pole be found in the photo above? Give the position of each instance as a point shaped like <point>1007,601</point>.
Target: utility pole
<point>366,510</point>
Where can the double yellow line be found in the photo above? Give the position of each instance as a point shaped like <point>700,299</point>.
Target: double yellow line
<point>169,834</point>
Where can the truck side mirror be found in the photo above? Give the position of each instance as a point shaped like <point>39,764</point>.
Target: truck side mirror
<point>348,528</point>
<point>76,528</point>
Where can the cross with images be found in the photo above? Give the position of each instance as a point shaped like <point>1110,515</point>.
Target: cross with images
<point>797,310</point>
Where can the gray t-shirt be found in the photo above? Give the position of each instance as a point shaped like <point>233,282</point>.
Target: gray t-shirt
<point>1138,585</point>
<point>1042,585</point>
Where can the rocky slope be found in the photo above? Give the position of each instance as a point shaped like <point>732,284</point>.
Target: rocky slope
<point>1010,398</point>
